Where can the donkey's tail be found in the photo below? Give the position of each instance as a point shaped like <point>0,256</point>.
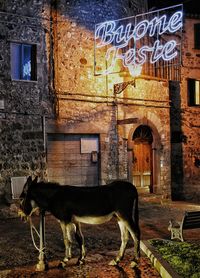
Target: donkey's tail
<point>135,214</point>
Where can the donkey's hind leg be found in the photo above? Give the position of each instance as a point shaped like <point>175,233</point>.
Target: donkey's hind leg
<point>134,231</point>
<point>124,240</point>
<point>80,239</point>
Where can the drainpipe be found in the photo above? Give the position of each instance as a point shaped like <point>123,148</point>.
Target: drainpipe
<point>53,19</point>
<point>44,132</point>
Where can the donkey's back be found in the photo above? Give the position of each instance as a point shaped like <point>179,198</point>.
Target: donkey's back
<point>116,197</point>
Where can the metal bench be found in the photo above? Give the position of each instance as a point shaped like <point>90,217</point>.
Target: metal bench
<point>191,220</point>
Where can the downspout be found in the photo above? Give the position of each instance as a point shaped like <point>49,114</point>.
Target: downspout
<point>53,20</point>
<point>51,80</point>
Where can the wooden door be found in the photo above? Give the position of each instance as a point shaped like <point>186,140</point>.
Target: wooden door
<point>142,165</point>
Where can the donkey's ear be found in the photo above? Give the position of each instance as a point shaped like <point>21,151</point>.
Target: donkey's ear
<point>35,179</point>
<point>27,184</point>
<point>29,180</point>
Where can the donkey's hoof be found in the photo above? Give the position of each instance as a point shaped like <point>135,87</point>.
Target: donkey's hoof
<point>66,259</point>
<point>80,262</point>
<point>62,264</point>
<point>113,263</point>
<point>133,264</point>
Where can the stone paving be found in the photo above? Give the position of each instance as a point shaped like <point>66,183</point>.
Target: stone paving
<point>18,256</point>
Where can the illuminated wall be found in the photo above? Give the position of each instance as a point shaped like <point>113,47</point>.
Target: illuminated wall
<point>94,104</point>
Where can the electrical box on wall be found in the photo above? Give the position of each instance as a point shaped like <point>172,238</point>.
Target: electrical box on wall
<point>94,156</point>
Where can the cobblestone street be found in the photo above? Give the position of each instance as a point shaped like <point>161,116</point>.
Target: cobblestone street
<point>18,255</point>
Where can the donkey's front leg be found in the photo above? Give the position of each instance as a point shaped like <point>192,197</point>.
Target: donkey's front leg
<point>67,237</point>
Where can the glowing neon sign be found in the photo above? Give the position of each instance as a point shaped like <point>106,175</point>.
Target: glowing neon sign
<point>136,42</point>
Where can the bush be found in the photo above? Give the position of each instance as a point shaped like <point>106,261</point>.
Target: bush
<point>183,257</point>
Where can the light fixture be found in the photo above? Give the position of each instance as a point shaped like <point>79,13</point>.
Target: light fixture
<point>135,70</point>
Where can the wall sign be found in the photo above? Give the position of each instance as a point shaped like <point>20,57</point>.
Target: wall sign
<point>131,42</point>
<point>89,145</point>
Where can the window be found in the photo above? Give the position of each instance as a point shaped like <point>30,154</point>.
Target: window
<point>143,134</point>
<point>193,92</point>
<point>197,36</point>
<point>23,61</point>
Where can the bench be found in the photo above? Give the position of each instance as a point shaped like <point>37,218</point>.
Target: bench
<point>190,220</point>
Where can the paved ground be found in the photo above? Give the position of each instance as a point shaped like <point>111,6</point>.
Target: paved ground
<point>18,256</point>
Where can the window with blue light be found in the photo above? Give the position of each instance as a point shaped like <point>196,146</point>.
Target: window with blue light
<point>23,61</point>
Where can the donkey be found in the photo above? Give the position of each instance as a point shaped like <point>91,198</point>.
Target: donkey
<point>73,205</point>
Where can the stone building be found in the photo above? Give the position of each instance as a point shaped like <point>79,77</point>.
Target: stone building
<point>26,95</point>
<point>185,121</point>
<point>61,121</point>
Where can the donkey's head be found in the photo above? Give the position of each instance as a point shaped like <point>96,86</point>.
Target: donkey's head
<point>27,203</point>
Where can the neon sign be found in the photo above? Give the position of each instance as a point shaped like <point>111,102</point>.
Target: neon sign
<point>146,38</point>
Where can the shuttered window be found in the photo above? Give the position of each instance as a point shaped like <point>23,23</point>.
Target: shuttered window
<point>193,92</point>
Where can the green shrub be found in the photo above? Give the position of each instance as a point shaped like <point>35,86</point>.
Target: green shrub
<point>183,257</point>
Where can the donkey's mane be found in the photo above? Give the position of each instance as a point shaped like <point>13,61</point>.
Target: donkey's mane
<point>49,184</point>
<point>45,186</point>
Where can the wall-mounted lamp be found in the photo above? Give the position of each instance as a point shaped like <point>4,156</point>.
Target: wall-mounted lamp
<point>120,87</point>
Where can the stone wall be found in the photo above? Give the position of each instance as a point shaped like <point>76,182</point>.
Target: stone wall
<point>22,149</point>
<point>23,103</point>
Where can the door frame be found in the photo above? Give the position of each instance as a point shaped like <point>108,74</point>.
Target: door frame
<point>141,173</point>
<point>156,153</point>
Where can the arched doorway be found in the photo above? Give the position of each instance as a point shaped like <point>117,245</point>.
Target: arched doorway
<point>142,158</point>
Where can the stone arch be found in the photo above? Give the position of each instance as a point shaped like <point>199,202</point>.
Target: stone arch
<point>156,129</point>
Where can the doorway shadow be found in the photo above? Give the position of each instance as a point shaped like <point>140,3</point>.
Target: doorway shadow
<point>177,139</point>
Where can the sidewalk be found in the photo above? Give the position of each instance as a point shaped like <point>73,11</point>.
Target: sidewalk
<point>156,213</point>
<point>18,256</point>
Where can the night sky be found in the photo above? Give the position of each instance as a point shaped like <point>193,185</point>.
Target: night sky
<point>190,6</point>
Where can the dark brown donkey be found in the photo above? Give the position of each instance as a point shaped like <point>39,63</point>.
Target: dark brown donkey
<point>73,205</point>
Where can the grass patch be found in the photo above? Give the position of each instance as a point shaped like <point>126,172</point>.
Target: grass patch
<point>183,257</point>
